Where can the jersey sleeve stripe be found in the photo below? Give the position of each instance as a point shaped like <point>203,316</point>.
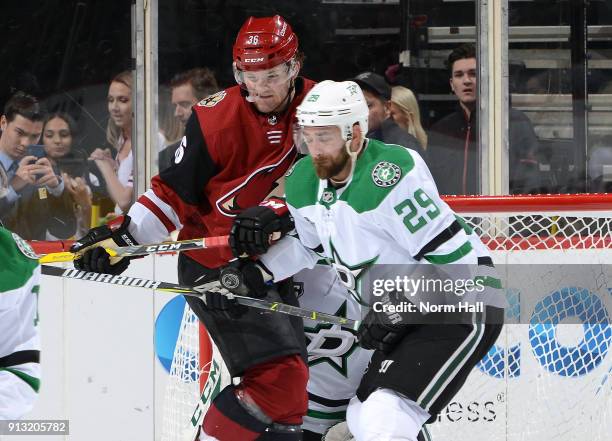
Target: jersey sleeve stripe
<point>485,261</point>
<point>340,415</point>
<point>33,382</point>
<point>445,235</point>
<point>328,402</point>
<point>159,208</point>
<point>454,256</point>
<point>20,357</point>
<point>491,282</point>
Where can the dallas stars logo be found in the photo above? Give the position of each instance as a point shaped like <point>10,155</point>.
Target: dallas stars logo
<point>331,344</point>
<point>25,247</point>
<point>349,275</point>
<point>386,174</point>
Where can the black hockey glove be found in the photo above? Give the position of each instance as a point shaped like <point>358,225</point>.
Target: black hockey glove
<point>94,257</point>
<point>246,278</point>
<point>254,228</point>
<point>383,330</point>
<point>218,300</point>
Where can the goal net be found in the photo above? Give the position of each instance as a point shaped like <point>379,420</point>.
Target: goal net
<point>545,379</point>
<point>191,363</point>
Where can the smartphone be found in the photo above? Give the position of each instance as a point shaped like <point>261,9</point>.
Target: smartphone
<point>37,150</point>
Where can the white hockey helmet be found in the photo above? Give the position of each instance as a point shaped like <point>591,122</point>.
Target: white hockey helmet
<point>331,103</point>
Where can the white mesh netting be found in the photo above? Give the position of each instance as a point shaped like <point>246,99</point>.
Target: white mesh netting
<point>515,232</point>
<point>183,389</point>
<point>550,377</point>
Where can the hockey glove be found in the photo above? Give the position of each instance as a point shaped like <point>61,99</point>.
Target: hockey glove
<point>218,300</point>
<point>383,330</point>
<point>246,278</point>
<point>254,227</point>
<point>94,257</point>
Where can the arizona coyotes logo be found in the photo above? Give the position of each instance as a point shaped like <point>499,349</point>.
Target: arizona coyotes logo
<point>212,100</point>
<point>255,187</point>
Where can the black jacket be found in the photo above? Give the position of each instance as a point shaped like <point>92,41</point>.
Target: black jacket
<point>453,153</point>
<point>390,133</point>
<point>454,159</point>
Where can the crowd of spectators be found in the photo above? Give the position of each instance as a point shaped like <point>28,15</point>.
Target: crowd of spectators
<point>49,188</point>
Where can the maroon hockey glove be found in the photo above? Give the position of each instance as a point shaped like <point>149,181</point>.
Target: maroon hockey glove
<point>94,257</point>
<point>254,227</point>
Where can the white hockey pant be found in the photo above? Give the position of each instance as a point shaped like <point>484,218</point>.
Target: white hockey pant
<point>385,416</point>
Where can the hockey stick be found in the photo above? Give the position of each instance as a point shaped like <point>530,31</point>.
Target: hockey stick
<point>142,250</point>
<point>211,389</point>
<point>136,282</point>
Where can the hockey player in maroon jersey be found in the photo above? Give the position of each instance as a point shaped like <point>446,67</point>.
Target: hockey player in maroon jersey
<point>237,144</point>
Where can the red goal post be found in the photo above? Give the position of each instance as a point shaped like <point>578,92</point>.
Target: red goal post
<point>531,203</point>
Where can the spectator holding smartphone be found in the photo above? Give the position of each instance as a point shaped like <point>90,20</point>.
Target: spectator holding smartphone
<point>33,200</point>
<point>58,135</point>
<point>118,170</point>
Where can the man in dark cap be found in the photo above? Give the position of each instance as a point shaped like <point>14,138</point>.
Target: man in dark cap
<point>380,124</point>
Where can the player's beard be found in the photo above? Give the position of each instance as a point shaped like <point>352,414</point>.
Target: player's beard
<point>327,166</point>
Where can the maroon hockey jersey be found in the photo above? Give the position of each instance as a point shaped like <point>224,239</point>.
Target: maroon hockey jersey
<point>229,160</point>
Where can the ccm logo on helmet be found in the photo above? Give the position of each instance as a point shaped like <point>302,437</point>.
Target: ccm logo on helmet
<point>253,60</point>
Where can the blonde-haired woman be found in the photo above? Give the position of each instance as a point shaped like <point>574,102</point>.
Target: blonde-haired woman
<point>118,172</point>
<point>405,112</point>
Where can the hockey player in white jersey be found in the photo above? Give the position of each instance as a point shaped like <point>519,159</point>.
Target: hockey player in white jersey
<point>336,362</point>
<point>360,203</point>
<point>19,341</point>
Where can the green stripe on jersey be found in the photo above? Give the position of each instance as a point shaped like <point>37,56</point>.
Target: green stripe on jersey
<point>15,268</point>
<point>340,415</point>
<point>440,380</point>
<point>468,230</point>
<point>33,382</point>
<point>489,281</point>
<point>441,259</point>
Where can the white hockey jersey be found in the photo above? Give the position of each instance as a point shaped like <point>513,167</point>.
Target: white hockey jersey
<point>19,339</point>
<point>389,212</point>
<point>335,361</point>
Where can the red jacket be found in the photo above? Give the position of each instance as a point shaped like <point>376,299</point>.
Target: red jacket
<point>229,160</point>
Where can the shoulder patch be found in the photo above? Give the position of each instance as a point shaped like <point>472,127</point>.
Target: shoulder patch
<point>213,100</point>
<point>24,247</point>
<point>386,174</point>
